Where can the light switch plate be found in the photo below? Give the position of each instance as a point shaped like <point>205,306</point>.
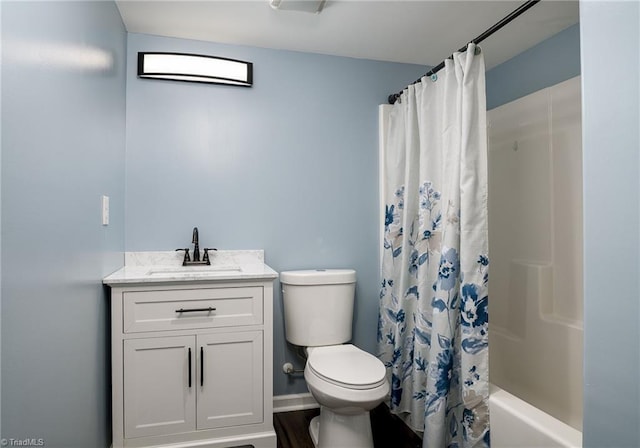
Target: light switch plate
<point>105,210</point>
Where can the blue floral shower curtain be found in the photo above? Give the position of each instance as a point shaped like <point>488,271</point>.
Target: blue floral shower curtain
<point>433,320</point>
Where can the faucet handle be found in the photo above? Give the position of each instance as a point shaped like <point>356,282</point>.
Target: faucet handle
<point>186,255</point>
<point>205,258</point>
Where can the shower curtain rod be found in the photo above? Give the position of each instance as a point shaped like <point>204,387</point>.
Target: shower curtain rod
<point>515,13</point>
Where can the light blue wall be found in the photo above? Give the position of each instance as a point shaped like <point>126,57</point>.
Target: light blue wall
<point>63,141</point>
<point>611,165</point>
<point>548,63</point>
<point>288,166</point>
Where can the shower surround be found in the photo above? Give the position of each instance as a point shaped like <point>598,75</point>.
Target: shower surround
<point>535,244</point>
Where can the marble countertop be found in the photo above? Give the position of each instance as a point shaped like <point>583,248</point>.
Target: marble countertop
<point>166,267</point>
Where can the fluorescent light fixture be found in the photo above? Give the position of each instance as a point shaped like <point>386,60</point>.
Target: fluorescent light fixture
<point>195,68</point>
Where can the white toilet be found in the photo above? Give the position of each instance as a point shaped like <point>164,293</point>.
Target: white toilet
<point>347,382</point>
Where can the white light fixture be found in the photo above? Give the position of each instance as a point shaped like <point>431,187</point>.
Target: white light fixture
<point>195,68</point>
<point>314,6</point>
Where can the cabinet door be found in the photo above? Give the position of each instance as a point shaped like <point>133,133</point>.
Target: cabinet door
<point>159,395</point>
<point>230,390</point>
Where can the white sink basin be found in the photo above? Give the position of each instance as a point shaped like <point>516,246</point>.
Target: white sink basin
<point>192,270</point>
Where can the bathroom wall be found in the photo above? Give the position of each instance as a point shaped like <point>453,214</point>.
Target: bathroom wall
<point>288,166</point>
<point>550,62</point>
<point>63,141</point>
<point>535,243</point>
<point>610,32</point>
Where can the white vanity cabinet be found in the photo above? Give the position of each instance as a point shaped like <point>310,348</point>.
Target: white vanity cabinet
<point>186,383</point>
<point>192,362</point>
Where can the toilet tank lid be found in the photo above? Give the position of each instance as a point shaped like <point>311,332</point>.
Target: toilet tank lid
<point>318,277</point>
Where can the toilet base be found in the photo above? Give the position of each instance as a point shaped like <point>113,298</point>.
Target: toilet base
<point>314,430</point>
<point>333,430</point>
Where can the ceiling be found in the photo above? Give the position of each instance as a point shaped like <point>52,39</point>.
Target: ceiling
<point>418,31</point>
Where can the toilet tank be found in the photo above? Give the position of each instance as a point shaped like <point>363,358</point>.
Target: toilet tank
<point>318,306</point>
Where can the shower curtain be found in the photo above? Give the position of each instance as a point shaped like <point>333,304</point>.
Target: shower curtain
<point>432,331</point>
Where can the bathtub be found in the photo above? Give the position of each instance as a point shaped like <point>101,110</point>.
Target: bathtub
<point>517,424</point>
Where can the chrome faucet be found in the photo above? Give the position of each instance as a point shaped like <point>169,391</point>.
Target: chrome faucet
<point>187,261</point>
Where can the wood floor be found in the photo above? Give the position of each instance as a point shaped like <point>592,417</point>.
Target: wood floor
<point>388,430</point>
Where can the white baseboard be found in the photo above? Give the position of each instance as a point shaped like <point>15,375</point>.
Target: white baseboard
<point>294,402</point>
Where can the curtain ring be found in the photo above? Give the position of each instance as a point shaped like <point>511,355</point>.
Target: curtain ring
<point>434,77</point>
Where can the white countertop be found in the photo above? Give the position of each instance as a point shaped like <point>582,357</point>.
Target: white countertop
<point>166,267</point>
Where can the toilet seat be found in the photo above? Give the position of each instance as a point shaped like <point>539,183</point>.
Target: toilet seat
<point>346,366</point>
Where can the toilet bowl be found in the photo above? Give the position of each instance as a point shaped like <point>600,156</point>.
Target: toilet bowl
<point>347,383</point>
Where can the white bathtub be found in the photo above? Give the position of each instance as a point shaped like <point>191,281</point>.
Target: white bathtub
<point>517,424</point>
